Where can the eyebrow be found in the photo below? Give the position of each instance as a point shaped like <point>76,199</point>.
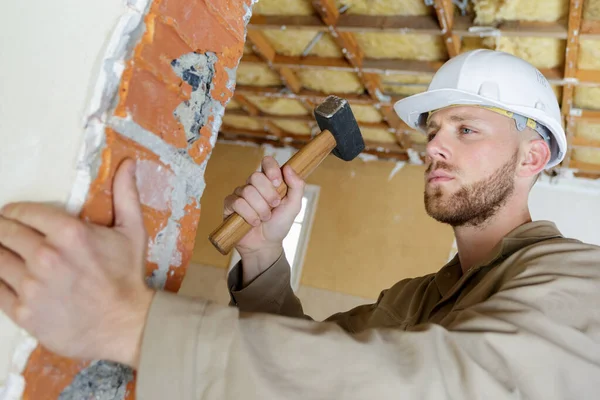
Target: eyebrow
<point>453,118</point>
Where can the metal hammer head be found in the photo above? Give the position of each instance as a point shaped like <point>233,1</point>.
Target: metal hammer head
<point>335,115</point>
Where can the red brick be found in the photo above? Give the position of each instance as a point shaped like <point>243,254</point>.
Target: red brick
<point>151,103</point>
<point>185,245</point>
<point>164,47</point>
<point>203,30</point>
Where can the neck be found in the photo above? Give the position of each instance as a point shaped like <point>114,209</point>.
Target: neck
<point>474,243</point>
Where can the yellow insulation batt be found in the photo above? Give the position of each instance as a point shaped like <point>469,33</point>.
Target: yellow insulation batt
<point>587,97</point>
<point>407,46</point>
<point>297,127</point>
<point>283,7</point>
<point>489,11</point>
<point>414,83</point>
<point>589,54</point>
<point>366,113</point>
<point>588,130</point>
<point>385,7</point>
<point>256,75</point>
<point>241,122</point>
<point>541,52</point>
<point>377,135</point>
<point>292,42</point>
<point>330,81</point>
<point>278,106</point>
<point>417,137</point>
<point>591,9</point>
<point>587,155</point>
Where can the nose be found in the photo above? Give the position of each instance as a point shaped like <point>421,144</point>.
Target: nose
<point>437,149</point>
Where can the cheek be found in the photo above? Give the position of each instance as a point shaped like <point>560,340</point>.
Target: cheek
<point>478,163</point>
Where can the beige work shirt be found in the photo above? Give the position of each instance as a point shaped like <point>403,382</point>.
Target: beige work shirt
<point>524,324</point>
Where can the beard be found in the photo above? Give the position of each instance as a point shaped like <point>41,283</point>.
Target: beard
<point>473,204</point>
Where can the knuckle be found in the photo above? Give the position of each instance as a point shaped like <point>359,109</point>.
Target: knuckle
<point>74,231</point>
<point>22,314</point>
<point>46,256</point>
<point>256,177</point>
<point>248,191</point>
<point>238,204</point>
<point>29,289</point>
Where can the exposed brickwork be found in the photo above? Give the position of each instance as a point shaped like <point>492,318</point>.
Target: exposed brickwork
<point>149,93</point>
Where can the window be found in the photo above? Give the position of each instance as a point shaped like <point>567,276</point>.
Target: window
<point>296,242</point>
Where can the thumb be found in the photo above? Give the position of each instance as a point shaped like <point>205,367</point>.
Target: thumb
<point>126,199</point>
<point>295,187</point>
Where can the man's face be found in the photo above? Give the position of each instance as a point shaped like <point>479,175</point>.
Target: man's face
<point>472,158</point>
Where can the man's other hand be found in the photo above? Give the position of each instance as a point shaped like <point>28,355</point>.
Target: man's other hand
<point>78,287</point>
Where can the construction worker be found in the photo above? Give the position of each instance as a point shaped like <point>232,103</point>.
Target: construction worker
<point>514,315</point>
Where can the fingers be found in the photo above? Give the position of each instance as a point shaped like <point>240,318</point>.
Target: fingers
<point>272,170</point>
<point>126,199</point>
<point>8,301</point>
<point>20,239</point>
<point>43,218</point>
<point>265,188</point>
<point>235,203</point>
<point>295,187</point>
<point>12,269</point>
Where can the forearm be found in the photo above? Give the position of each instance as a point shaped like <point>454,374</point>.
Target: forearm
<point>256,262</point>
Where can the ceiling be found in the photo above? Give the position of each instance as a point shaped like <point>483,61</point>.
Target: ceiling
<point>374,52</point>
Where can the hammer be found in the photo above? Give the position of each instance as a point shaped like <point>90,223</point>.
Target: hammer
<point>339,133</point>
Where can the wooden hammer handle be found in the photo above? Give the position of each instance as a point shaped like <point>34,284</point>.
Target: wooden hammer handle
<point>304,162</point>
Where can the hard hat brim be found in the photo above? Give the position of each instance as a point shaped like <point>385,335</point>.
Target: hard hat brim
<point>413,108</point>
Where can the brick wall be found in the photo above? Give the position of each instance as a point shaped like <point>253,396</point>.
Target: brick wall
<point>165,112</point>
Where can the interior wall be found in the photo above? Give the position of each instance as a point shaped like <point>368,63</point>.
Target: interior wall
<point>572,204</point>
<point>370,228</point>
<point>45,82</point>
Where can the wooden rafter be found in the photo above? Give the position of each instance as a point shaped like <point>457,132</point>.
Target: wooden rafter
<point>263,47</point>
<point>354,55</point>
<point>444,10</point>
<point>572,50</point>
<point>390,66</point>
<point>463,26</point>
<point>381,150</point>
<point>251,110</point>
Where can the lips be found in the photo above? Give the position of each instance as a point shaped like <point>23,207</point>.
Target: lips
<point>439,176</point>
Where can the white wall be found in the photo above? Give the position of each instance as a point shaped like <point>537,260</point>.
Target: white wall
<point>574,205</point>
<point>52,53</point>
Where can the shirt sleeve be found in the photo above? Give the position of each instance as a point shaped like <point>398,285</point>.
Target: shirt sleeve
<point>270,292</point>
<point>536,338</point>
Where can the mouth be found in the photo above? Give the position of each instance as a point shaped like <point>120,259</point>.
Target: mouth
<point>438,177</point>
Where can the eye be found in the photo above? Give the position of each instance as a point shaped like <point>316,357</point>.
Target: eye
<point>466,131</point>
<point>430,136</point>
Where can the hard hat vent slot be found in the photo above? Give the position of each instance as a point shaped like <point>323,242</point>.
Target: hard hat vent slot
<point>489,90</point>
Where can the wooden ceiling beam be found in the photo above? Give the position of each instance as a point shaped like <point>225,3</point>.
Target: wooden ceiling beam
<point>390,66</point>
<point>570,72</point>
<point>426,24</point>
<point>381,150</point>
<point>444,10</point>
<point>299,118</point>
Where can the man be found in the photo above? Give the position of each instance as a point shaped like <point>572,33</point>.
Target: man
<point>513,315</point>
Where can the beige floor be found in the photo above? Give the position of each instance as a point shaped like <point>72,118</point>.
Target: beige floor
<point>210,283</point>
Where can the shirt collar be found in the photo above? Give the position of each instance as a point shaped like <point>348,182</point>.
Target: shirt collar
<point>522,236</point>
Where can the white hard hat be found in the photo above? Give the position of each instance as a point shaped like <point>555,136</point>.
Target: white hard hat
<point>492,79</point>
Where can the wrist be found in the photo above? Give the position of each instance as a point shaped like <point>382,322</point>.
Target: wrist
<point>128,344</point>
<point>256,262</point>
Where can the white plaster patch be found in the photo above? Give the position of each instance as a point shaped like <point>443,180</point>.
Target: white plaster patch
<point>414,157</point>
<point>155,184</point>
<point>367,157</point>
<point>399,165</point>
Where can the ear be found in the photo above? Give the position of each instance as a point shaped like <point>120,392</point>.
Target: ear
<point>537,155</point>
